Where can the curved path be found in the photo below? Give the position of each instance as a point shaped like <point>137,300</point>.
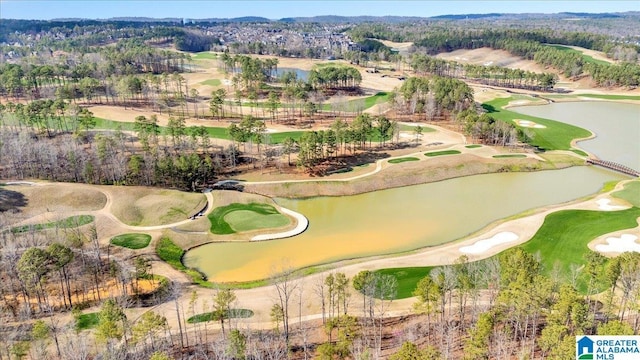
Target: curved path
<point>302,225</point>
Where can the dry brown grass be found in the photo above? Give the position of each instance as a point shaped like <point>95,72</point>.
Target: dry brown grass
<point>60,198</point>
<point>404,174</point>
<point>142,206</point>
<point>488,56</point>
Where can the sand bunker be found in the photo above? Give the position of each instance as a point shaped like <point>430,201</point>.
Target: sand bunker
<point>603,204</point>
<point>529,124</point>
<point>303,223</point>
<point>483,245</point>
<point>624,243</point>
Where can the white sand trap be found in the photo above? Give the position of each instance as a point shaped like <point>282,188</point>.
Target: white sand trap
<point>625,243</point>
<point>226,82</point>
<point>529,124</point>
<point>406,135</point>
<point>303,223</point>
<point>483,245</point>
<point>603,204</point>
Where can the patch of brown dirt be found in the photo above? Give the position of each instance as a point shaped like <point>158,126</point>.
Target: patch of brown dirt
<point>491,57</point>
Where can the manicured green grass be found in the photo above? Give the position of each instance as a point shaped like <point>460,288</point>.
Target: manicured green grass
<point>407,278</point>
<point>580,152</point>
<point>440,153</point>
<point>67,223</point>
<point>172,254</point>
<point>210,316</point>
<point>474,146</point>
<point>404,159</point>
<point>132,241</point>
<point>364,103</point>
<point>205,55</point>
<point>253,216</point>
<point>509,156</point>
<point>87,321</point>
<point>611,97</point>
<point>277,138</point>
<point>425,129</point>
<point>556,135</point>
<point>585,58</point>
<point>563,237</point>
<point>107,124</point>
<point>247,220</point>
<point>630,193</point>
<point>212,82</point>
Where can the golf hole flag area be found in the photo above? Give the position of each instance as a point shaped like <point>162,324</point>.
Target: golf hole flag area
<point>608,347</point>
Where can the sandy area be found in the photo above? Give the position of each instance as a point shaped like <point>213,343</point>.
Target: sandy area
<point>528,123</point>
<point>481,246</point>
<point>604,205</point>
<point>490,57</point>
<point>624,243</point>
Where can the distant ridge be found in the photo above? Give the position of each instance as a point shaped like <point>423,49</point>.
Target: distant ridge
<point>467,16</point>
<point>337,19</point>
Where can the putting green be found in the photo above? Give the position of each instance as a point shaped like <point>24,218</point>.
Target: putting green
<point>245,217</point>
<point>247,220</point>
<point>132,241</point>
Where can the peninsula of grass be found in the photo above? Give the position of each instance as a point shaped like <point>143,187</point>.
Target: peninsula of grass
<point>563,237</point>
<point>245,217</point>
<point>555,135</point>
<point>441,153</point>
<point>87,321</point>
<point>212,82</point>
<point>172,254</point>
<point>586,58</point>
<point>210,316</point>
<point>580,152</point>
<point>404,159</point>
<point>473,146</point>
<point>132,241</point>
<point>630,193</point>
<point>67,223</point>
<point>509,156</point>
<point>407,278</point>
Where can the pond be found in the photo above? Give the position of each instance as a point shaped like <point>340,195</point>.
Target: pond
<point>412,217</point>
<point>616,125</point>
<point>301,74</point>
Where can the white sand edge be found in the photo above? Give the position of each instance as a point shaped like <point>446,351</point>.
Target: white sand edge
<point>624,243</point>
<point>303,223</point>
<point>603,204</point>
<point>481,246</point>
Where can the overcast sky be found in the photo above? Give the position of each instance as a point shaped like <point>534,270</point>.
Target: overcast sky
<point>102,9</point>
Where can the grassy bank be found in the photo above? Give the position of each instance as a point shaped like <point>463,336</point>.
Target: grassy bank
<point>555,135</point>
